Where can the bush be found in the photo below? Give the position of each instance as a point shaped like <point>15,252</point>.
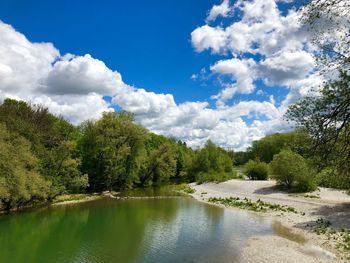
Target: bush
<point>256,170</point>
<point>291,170</point>
<point>185,188</point>
<point>202,177</point>
<point>329,177</point>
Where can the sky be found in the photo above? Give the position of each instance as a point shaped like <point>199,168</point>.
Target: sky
<point>224,70</point>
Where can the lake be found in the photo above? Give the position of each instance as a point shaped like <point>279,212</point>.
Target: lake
<point>172,229</point>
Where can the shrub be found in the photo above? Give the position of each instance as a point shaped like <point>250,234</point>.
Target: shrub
<point>203,177</point>
<point>185,188</point>
<point>291,170</point>
<point>330,177</point>
<point>256,170</point>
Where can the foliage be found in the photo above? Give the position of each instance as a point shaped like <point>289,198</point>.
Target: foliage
<point>63,169</point>
<point>341,237</point>
<point>203,177</point>
<point>259,206</point>
<point>256,170</point>
<point>291,170</point>
<point>327,120</point>
<point>185,188</point>
<point>111,148</point>
<point>20,182</point>
<point>51,140</point>
<point>160,165</point>
<point>240,158</point>
<point>212,164</point>
<point>328,23</point>
<point>329,177</point>
<point>265,148</point>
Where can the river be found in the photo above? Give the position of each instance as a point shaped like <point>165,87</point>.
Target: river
<point>171,229</point>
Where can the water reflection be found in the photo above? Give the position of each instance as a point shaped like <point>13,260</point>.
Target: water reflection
<point>287,233</point>
<point>141,230</point>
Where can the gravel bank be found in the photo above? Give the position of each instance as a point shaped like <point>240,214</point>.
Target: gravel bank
<point>329,204</point>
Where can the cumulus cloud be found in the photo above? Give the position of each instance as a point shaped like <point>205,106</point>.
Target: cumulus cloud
<point>262,45</point>
<point>37,72</point>
<point>81,75</point>
<point>242,72</point>
<point>207,37</point>
<point>287,67</point>
<point>279,44</point>
<point>219,10</point>
<point>142,102</point>
<point>22,63</point>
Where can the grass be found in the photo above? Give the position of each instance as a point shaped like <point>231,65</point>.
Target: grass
<point>73,198</point>
<point>185,188</point>
<point>245,203</point>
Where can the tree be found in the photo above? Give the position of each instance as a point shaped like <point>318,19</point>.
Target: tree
<point>327,119</point>
<point>110,149</point>
<point>265,148</point>
<point>328,22</point>
<point>20,182</point>
<point>52,141</point>
<point>291,170</point>
<point>62,169</point>
<point>160,165</point>
<point>256,170</point>
<point>212,163</point>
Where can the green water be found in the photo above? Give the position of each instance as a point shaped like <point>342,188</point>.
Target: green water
<point>177,229</point>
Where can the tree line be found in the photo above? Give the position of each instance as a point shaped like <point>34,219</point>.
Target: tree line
<point>43,156</point>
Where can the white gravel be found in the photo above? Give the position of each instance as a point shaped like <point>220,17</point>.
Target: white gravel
<point>329,204</point>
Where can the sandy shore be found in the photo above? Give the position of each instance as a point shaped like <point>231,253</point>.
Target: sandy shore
<point>329,204</point>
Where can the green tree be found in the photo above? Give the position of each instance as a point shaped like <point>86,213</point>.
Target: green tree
<point>111,148</point>
<point>160,165</point>
<point>265,148</point>
<point>212,163</point>
<point>52,140</point>
<point>326,118</point>
<point>20,182</point>
<point>256,170</point>
<point>63,169</point>
<point>291,170</point>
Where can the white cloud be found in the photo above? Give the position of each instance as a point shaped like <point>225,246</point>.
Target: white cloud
<point>22,63</point>
<point>207,37</point>
<point>242,72</point>
<point>74,86</point>
<point>219,10</point>
<point>287,67</point>
<point>82,75</point>
<point>279,52</point>
<point>144,103</point>
<point>75,108</point>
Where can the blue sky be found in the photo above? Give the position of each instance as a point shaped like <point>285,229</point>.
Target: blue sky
<point>220,63</point>
<point>148,42</point>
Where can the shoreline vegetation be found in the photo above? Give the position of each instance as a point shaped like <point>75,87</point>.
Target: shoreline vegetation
<point>44,156</point>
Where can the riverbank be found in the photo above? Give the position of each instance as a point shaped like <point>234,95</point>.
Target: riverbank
<point>70,199</point>
<point>321,217</point>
